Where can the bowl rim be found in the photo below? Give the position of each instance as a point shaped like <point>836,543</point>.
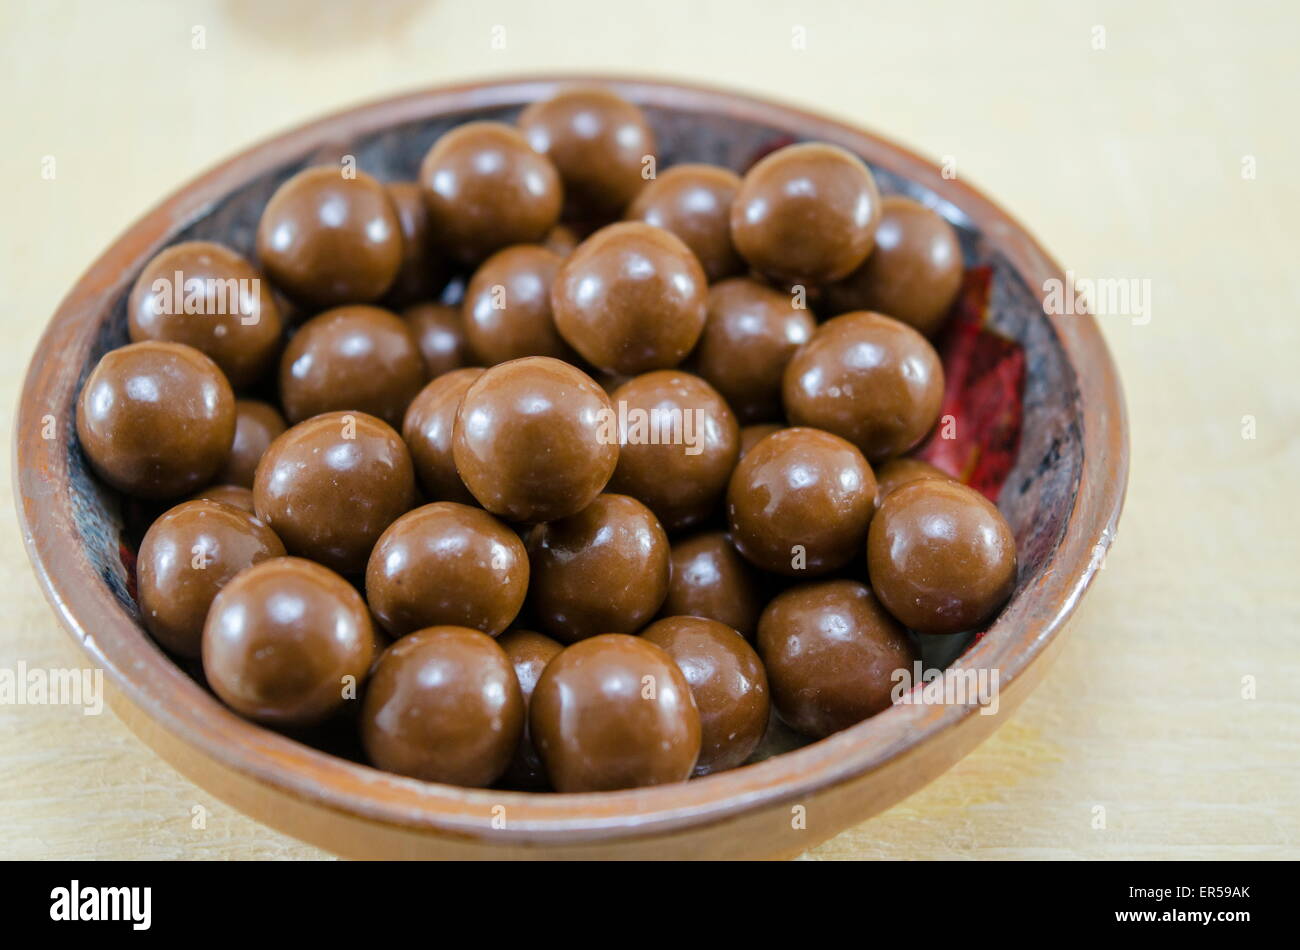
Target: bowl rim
<point>156,684</point>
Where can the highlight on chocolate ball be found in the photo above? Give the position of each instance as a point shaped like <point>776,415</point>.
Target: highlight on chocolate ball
<point>567,465</point>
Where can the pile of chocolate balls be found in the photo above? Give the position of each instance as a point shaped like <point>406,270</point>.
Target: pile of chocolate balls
<point>586,521</point>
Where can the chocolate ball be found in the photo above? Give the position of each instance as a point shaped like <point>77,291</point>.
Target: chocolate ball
<point>186,557</point>
<point>799,503</point>
<point>749,337</point>
<point>256,426</point>
<point>694,203</point>
<point>868,378</point>
<point>751,435</point>
<point>331,485</point>
<point>326,239</point>
<point>486,189</point>
<point>534,439</point>
<point>708,578</point>
<point>507,308</point>
<point>427,429</point>
<point>529,653</point>
<point>156,420</point>
<point>599,143</point>
<point>236,496</point>
<point>614,712</point>
<point>727,682</point>
<point>902,471</point>
<point>678,447</point>
<point>354,358</point>
<point>602,570</point>
<point>806,213</point>
<point>942,559</point>
<point>206,296</point>
<point>447,565</point>
<point>439,335</point>
<point>422,272</point>
<point>287,643</point>
<point>443,705</point>
<point>831,652</point>
<point>913,274</point>
<point>630,299</point>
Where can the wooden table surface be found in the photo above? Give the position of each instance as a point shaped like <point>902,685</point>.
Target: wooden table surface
<point>1153,141</point>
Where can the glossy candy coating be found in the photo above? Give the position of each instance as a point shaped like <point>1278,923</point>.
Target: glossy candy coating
<point>443,705</point>
<point>446,564</point>
<point>631,298</point>
<point>186,557</point>
<point>331,485</point>
<point>533,440</point>
<point>326,239</point>
<point>942,559</point>
<point>156,419</point>
<point>287,643</point>
<point>799,503</point>
<point>830,651</point>
<point>206,296</point>
<point>603,570</point>
<point>351,358</point>
<point>614,712</point>
<point>869,378</point>
<point>727,682</point>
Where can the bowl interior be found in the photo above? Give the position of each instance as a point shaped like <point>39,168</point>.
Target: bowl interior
<point>1038,491</point>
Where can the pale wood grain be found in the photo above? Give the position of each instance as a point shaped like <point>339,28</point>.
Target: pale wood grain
<point>1126,162</point>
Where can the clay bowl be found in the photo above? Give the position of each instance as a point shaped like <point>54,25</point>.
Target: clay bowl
<point>1062,495</point>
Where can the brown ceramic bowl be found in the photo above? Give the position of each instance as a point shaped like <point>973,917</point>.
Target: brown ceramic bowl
<point>1062,494</point>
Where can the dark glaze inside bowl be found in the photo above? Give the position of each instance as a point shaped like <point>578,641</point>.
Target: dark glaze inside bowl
<point>1040,480</point>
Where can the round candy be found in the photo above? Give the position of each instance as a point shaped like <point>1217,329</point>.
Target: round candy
<point>328,239</point>
<point>942,559</point>
<point>256,426</point>
<point>831,652</point>
<point>602,570</point>
<point>914,273</point>
<point>486,189</point>
<point>751,333</point>
<point>694,202</point>
<point>447,564</point>
<point>427,429</point>
<point>529,653</point>
<point>507,308</point>
<point>678,445</point>
<point>156,419</point>
<point>902,471</point>
<point>186,557</point>
<point>439,335</point>
<point>727,682</point>
<point>806,213</point>
<point>534,440</point>
<point>422,272</point>
<point>708,578</point>
<point>287,643</point>
<point>443,705</point>
<point>331,485</point>
<point>868,378</point>
<point>614,712</point>
<point>358,358</point>
<point>206,296</point>
<point>599,143</point>
<point>236,496</point>
<point>631,298</point>
<point>799,503</point>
